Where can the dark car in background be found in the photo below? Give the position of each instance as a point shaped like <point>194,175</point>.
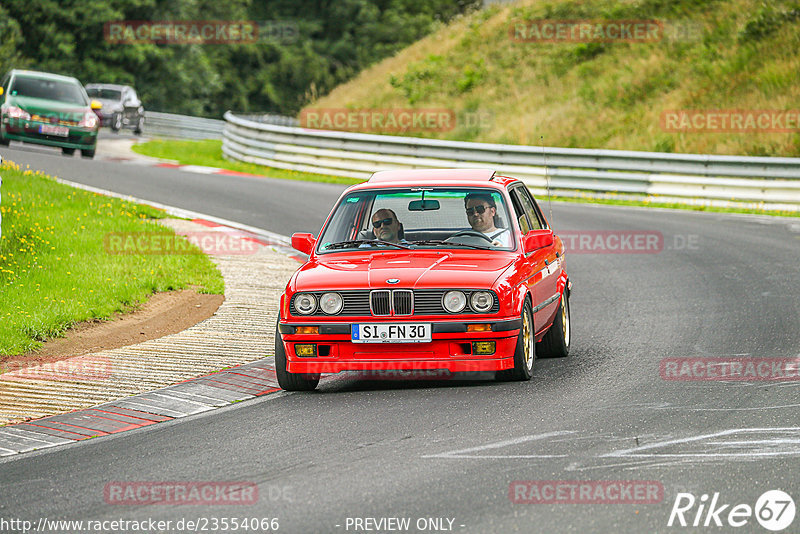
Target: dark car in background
<point>121,106</point>
<point>48,109</point>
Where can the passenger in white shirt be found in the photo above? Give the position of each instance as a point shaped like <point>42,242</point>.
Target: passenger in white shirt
<point>482,216</point>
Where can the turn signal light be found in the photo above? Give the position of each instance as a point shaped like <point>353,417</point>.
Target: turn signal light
<point>479,328</point>
<point>483,347</point>
<point>305,350</point>
<point>307,330</point>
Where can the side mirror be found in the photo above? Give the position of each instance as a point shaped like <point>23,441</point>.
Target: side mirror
<point>96,105</point>
<point>303,242</point>
<point>536,239</point>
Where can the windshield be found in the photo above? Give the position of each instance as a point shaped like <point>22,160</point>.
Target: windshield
<point>414,218</point>
<point>105,94</point>
<point>60,90</point>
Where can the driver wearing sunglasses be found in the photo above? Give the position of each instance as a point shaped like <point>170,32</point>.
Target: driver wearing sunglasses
<point>482,216</point>
<point>386,227</point>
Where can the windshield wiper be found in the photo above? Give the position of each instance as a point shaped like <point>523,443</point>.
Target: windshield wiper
<point>448,243</point>
<point>359,242</point>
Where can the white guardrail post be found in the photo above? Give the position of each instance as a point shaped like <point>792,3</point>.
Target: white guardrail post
<point>761,182</point>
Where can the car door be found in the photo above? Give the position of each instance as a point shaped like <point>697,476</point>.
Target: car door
<point>544,264</point>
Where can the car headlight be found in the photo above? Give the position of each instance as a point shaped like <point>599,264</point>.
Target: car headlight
<point>331,303</point>
<point>13,112</point>
<point>89,120</point>
<point>305,303</point>
<point>481,301</point>
<point>454,301</point>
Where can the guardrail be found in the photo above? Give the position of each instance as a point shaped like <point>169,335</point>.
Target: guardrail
<point>181,126</point>
<point>158,124</point>
<point>772,183</point>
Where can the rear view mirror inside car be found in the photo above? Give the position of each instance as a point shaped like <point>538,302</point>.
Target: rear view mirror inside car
<point>423,205</point>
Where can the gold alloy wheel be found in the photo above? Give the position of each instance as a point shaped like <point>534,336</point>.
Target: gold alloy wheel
<point>565,326</point>
<point>527,341</point>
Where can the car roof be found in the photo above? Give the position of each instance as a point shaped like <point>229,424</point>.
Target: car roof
<point>451,177</point>
<point>42,75</point>
<point>106,86</point>
<point>433,175</point>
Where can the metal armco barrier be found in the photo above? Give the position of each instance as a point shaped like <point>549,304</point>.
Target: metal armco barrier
<point>771,183</point>
<point>185,127</point>
<point>181,126</point>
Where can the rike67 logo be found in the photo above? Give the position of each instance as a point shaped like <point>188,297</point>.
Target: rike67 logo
<point>774,510</point>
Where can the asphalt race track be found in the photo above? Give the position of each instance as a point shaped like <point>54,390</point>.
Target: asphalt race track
<point>715,286</point>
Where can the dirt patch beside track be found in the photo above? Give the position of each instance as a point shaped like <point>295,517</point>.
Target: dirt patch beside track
<point>163,314</point>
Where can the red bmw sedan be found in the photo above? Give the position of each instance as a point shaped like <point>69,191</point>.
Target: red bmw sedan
<point>451,269</point>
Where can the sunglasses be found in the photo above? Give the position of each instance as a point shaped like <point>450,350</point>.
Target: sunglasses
<point>378,224</point>
<point>479,209</point>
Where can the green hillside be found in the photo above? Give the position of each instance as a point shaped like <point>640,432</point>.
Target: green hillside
<point>711,55</point>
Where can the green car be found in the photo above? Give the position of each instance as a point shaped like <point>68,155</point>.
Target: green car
<point>48,109</point>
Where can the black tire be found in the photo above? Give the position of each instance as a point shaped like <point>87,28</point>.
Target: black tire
<point>116,122</point>
<point>555,343</point>
<point>525,354</point>
<point>4,141</point>
<point>67,151</point>
<point>139,126</point>
<point>88,152</point>
<point>291,381</point>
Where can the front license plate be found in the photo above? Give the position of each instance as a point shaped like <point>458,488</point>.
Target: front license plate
<point>391,333</point>
<point>49,129</point>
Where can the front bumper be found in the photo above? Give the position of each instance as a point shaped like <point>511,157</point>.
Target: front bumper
<point>450,349</point>
<point>28,132</point>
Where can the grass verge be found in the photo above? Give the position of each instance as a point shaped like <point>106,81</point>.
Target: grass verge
<point>54,268</point>
<point>208,152</point>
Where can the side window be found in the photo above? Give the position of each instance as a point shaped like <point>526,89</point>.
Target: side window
<point>539,213</point>
<point>519,211</point>
<point>530,209</point>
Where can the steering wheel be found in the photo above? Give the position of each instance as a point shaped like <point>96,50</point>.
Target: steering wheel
<point>470,233</point>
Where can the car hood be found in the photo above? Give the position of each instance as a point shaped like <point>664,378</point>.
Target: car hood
<point>48,108</point>
<point>420,269</point>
